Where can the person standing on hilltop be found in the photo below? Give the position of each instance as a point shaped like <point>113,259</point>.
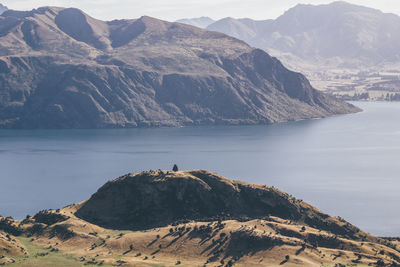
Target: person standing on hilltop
<point>175,168</point>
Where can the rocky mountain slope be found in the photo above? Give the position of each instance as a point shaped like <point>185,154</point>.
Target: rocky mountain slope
<point>349,34</point>
<point>60,68</point>
<point>192,218</point>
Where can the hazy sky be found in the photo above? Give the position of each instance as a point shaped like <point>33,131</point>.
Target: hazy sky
<point>176,9</point>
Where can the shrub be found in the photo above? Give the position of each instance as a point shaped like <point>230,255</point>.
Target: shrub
<point>49,218</point>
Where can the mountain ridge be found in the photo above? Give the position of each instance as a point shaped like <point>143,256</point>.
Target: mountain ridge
<point>315,32</point>
<point>201,22</point>
<point>141,73</point>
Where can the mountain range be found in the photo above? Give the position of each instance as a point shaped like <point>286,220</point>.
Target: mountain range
<point>60,68</point>
<point>349,34</point>
<point>190,218</point>
<point>347,50</point>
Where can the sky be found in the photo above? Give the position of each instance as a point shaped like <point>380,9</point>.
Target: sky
<point>172,10</point>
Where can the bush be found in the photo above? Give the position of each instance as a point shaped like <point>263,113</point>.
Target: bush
<point>49,218</point>
<point>62,232</point>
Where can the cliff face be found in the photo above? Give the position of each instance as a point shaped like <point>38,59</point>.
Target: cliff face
<point>60,68</point>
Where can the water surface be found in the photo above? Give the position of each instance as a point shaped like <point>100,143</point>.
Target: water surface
<point>347,166</point>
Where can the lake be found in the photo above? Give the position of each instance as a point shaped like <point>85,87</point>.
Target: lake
<point>347,166</point>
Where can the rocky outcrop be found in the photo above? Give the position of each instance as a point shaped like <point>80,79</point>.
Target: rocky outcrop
<point>60,68</point>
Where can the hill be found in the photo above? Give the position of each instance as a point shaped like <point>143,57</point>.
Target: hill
<point>193,218</point>
<point>10,248</point>
<point>60,68</point>
<point>156,199</point>
<point>339,46</point>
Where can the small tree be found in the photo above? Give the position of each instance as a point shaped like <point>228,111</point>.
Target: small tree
<point>175,168</point>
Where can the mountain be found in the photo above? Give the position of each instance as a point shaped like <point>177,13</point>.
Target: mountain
<point>243,29</point>
<point>2,9</point>
<point>201,22</point>
<point>346,50</point>
<point>60,68</point>
<point>191,218</point>
<point>356,35</point>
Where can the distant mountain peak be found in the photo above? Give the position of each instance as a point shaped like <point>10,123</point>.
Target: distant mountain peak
<point>333,7</point>
<point>2,9</point>
<point>201,22</point>
<point>351,35</point>
<point>343,3</point>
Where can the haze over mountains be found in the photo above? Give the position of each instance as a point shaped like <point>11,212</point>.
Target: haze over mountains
<point>2,9</point>
<point>202,22</point>
<point>60,68</point>
<point>356,34</point>
<point>332,42</point>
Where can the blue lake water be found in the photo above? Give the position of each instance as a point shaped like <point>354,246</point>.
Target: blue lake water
<point>347,166</point>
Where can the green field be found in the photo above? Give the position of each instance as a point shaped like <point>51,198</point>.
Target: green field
<point>42,257</point>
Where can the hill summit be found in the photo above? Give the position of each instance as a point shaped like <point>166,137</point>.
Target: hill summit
<point>159,198</point>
